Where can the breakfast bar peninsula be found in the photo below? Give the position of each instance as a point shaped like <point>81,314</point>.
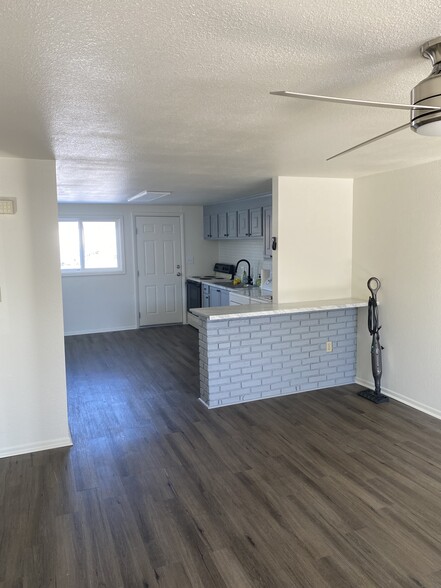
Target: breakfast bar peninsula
<point>258,351</point>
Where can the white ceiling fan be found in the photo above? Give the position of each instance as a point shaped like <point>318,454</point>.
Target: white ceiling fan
<point>425,110</point>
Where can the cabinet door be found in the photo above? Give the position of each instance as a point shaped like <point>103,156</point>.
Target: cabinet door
<point>215,296</point>
<point>243,224</point>
<point>255,222</point>
<point>214,225</point>
<point>232,224</point>
<point>225,298</point>
<point>205,295</point>
<point>223,225</point>
<point>207,228</point>
<point>267,230</point>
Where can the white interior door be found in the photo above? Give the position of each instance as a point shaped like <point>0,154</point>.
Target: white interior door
<point>158,241</point>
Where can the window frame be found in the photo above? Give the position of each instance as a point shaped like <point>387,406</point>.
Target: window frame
<point>82,271</point>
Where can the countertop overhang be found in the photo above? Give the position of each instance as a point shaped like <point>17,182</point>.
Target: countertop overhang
<point>221,313</point>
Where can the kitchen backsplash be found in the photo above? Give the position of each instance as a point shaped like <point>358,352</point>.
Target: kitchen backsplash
<point>232,251</point>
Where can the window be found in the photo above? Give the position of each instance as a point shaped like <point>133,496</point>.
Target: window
<point>90,246</point>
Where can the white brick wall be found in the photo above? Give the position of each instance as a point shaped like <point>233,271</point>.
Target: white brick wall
<point>252,358</point>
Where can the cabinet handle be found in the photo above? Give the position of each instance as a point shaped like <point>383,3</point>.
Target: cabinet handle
<point>225,234</point>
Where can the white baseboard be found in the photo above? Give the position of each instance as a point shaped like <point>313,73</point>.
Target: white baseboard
<point>401,398</point>
<point>34,447</point>
<point>95,331</point>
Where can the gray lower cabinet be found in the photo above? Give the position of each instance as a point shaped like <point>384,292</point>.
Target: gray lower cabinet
<point>205,295</point>
<point>215,296</point>
<point>218,296</point>
<point>225,298</point>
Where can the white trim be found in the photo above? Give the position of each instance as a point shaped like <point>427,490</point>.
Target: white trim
<point>404,399</point>
<point>104,330</point>
<point>37,446</point>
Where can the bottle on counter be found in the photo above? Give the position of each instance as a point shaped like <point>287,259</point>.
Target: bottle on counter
<point>244,277</point>
<point>259,281</point>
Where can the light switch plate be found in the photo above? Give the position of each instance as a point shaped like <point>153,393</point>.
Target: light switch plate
<point>7,206</point>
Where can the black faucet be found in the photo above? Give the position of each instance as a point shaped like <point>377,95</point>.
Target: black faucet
<point>249,279</point>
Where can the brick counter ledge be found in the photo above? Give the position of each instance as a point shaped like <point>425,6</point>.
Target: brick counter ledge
<point>261,351</point>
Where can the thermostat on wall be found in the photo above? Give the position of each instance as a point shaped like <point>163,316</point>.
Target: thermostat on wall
<point>8,206</point>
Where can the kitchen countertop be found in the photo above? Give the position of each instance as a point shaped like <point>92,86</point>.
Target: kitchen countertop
<point>220,313</point>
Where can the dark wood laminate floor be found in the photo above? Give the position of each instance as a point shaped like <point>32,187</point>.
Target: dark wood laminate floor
<point>320,489</point>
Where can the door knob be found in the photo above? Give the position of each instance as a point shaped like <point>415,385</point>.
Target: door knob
<point>178,267</point>
<point>178,274</point>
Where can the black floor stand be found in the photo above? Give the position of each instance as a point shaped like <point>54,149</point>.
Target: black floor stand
<point>373,396</point>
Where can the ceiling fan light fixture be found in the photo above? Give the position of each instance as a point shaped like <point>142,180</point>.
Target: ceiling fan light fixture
<point>428,93</point>
<point>429,129</point>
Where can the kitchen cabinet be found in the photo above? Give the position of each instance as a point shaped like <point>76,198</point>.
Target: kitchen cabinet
<point>219,296</point>
<point>267,232</point>
<point>255,222</point>
<point>249,222</point>
<point>205,295</point>
<point>236,220</point>
<point>243,223</point>
<point>232,224</point>
<point>215,296</point>
<point>225,298</point>
<point>227,225</point>
<point>223,225</point>
<point>211,226</point>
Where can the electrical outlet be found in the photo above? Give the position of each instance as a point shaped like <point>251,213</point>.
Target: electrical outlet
<point>328,346</point>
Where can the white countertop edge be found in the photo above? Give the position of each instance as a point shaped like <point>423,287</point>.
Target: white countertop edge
<point>221,313</point>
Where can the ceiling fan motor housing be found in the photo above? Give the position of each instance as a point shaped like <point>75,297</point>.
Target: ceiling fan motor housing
<point>428,93</point>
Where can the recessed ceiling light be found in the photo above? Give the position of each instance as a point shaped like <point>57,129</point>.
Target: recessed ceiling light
<point>146,196</point>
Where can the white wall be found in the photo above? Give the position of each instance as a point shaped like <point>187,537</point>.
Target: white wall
<point>33,408</point>
<point>108,302</point>
<point>312,219</point>
<point>397,237</point>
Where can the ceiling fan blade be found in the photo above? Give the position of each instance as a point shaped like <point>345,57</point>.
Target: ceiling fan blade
<point>377,138</point>
<point>354,102</point>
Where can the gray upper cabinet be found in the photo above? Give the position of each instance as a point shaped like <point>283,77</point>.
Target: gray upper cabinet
<point>223,225</point>
<point>211,225</point>
<point>255,222</point>
<point>243,223</point>
<point>232,224</point>
<point>240,220</point>
<point>227,225</point>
